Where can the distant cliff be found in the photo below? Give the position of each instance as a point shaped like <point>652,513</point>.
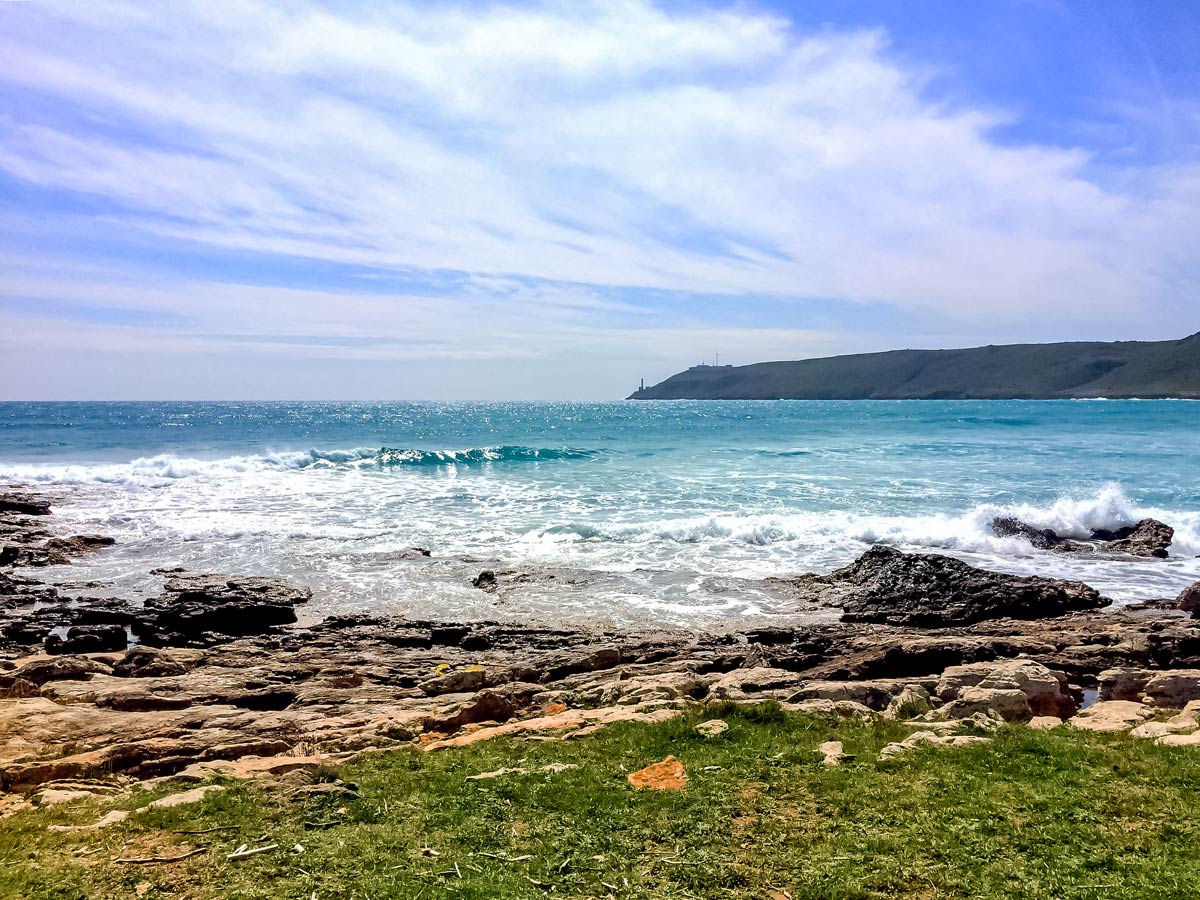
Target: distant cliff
<point>1150,369</point>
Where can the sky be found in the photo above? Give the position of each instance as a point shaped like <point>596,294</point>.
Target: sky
<point>239,199</point>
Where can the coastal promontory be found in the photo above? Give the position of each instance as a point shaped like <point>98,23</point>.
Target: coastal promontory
<point>1120,369</point>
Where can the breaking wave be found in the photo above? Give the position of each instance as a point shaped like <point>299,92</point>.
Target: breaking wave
<point>166,467</point>
<point>1073,517</point>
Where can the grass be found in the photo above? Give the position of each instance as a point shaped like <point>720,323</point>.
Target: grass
<point>1033,814</point>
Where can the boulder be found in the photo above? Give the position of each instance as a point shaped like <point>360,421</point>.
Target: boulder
<point>192,605</point>
<point>1009,704</point>
<point>1189,600</point>
<point>927,590</point>
<point>929,738</point>
<point>1148,537</point>
<point>667,775</point>
<point>1173,689</point>
<point>1047,692</point>
<point>761,680</point>
<point>1112,715</point>
<point>913,700</point>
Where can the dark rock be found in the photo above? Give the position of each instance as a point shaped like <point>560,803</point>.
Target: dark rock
<point>1041,538</point>
<point>886,585</point>
<point>450,635</point>
<point>24,504</point>
<point>146,662</point>
<point>1148,537</point>
<point>486,581</point>
<point>142,702</point>
<point>194,605</point>
<point>89,639</point>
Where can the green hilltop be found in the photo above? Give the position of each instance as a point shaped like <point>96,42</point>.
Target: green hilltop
<point>1121,369</point>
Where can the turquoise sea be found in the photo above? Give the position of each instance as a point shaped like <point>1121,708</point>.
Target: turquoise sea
<point>628,512</point>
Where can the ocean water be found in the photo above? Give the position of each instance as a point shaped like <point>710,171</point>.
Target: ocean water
<point>629,513</point>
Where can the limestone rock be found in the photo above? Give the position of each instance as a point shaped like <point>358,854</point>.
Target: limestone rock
<point>183,798</point>
<point>913,700</point>
<point>713,727</point>
<point>1010,704</point>
<point>930,738</point>
<point>1112,715</point>
<point>1173,689</point>
<point>763,680</point>
<point>831,753</point>
<point>1123,683</point>
<point>1047,691</point>
<point>1045,723</point>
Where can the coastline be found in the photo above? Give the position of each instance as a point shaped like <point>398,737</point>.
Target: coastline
<point>215,678</point>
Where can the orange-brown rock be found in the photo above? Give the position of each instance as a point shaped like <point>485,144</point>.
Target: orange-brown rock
<point>668,775</point>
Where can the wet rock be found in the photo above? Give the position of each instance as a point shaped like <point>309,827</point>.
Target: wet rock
<point>1148,537</point>
<point>193,605</point>
<point>23,504</point>
<point>486,581</point>
<point>927,590</point>
<point>89,639</point>
<point>1041,538</point>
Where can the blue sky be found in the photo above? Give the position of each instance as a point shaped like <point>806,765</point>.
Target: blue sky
<point>339,200</point>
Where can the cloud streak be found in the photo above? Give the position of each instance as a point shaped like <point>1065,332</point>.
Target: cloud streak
<point>557,156</point>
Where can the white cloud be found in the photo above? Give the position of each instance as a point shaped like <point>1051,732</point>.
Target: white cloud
<point>597,143</point>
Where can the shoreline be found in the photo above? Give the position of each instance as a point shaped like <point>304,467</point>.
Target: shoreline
<point>217,680</point>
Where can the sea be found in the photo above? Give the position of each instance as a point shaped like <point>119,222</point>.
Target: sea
<point>623,514</point>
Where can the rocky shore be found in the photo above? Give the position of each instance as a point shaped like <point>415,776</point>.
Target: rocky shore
<point>213,678</point>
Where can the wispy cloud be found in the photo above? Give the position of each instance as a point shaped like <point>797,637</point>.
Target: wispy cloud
<point>555,156</point>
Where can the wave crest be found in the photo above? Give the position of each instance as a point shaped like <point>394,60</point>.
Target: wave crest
<point>167,467</point>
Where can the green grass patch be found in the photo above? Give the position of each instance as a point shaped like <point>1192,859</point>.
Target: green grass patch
<point>1033,814</point>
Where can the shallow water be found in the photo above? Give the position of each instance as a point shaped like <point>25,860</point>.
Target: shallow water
<point>670,512</point>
